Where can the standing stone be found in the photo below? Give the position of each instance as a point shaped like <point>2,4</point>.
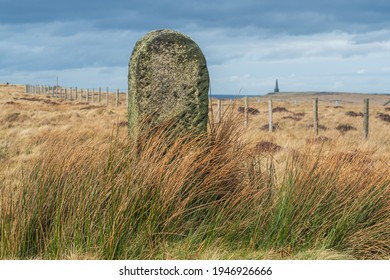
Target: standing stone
<point>168,79</point>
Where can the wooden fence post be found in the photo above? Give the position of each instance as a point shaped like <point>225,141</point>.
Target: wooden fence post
<point>219,104</point>
<point>246,111</point>
<point>366,118</point>
<point>75,91</point>
<point>270,119</point>
<point>127,100</point>
<point>315,113</point>
<point>117,97</point>
<point>100,95</point>
<point>107,97</point>
<point>87,95</point>
<point>211,111</point>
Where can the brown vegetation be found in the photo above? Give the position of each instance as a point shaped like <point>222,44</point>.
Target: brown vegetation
<point>345,127</point>
<point>280,110</point>
<point>294,118</point>
<point>354,114</point>
<point>90,107</point>
<point>318,139</point>
<point>384,117</point>
<point>320,127</point>
<point>267,147</point>
<point>265,127</point>
<point>335,107</point>
<point>251,111</point>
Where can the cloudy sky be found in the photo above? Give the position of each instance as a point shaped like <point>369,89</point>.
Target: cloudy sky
<point>332,45</point>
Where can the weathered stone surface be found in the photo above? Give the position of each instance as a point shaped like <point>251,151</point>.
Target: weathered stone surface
<point>168,78</point>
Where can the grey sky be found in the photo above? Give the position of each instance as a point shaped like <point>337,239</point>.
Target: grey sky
<point>308,45</point>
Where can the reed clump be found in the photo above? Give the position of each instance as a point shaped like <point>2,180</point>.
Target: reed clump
<point>168,192</point>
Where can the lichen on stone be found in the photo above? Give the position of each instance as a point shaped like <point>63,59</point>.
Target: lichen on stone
<point>168,78</point>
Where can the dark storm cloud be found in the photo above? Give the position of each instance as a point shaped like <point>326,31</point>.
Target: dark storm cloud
<point>329,45</point>
<point>295,17</point>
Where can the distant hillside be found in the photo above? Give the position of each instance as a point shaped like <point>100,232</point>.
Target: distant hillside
<point>292,93</point>
<point>328,96</point>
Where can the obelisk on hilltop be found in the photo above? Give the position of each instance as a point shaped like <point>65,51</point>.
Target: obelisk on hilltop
<point>276,86</point>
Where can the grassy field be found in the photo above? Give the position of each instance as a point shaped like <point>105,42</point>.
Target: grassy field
<point>73,186</point>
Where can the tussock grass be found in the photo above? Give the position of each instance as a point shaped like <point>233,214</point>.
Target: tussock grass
<point>70,188</point>
<point>175,195</point>
<point>122,200</point>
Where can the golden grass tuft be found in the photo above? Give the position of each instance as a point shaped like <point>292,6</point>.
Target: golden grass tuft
<point>74,186</point>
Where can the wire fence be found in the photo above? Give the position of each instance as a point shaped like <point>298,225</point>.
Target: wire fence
<point>108,97</point>
<point>219,110</point>
<point>100,95</point>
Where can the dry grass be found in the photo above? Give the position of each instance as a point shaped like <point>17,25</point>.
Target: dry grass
<point>73,186</point>
<point>292,134</point>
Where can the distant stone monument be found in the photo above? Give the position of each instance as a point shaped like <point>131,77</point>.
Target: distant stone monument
<point>276,86</point>
<point>168,79</point>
